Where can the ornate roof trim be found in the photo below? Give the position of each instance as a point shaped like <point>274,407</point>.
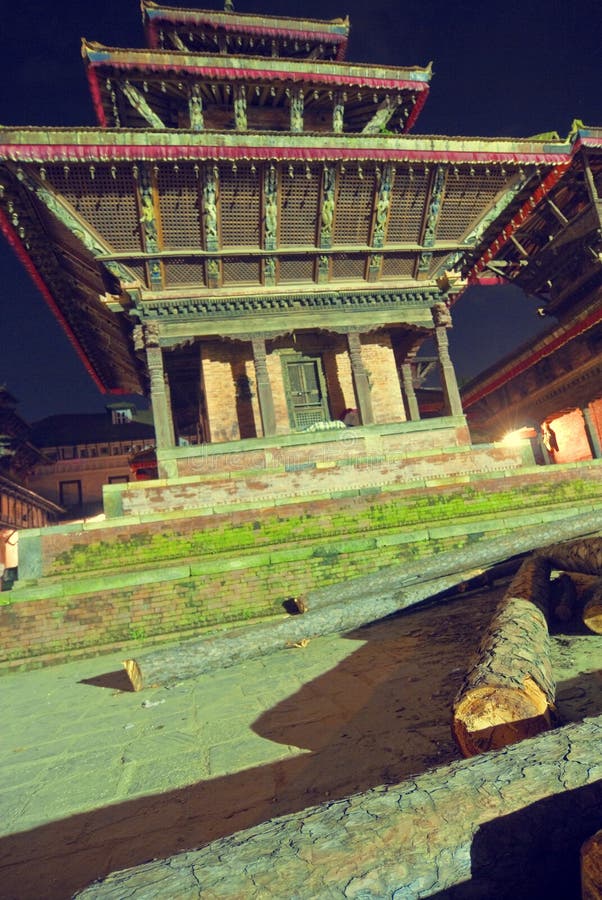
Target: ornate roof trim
<point>332,31</point>
<point>102,145</point>
<point>185,15</point>
<point>249,67</point>
<point>257,304</point>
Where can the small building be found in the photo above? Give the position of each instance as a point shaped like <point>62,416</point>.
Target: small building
<point>20,507</point>
<point>84,452</point>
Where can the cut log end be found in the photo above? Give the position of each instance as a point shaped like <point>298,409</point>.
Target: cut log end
<point>134,674</point>
<point>591,868</point>
<point>491,717</point>
<point>592,612</point>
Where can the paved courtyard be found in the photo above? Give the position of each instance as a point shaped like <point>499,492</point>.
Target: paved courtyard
<point>97,778</point>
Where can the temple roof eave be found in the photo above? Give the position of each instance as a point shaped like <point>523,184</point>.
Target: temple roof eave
<point>249,67</point>
<point>334,29</point>
<point>35,144</point>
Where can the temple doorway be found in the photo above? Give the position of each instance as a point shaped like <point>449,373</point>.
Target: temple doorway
<point>305,388</point>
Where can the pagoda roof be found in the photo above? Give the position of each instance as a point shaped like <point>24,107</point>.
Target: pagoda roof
<point>243,27</point>
<point>165,77</point>
<point>550,245</point>
<point>36,144</point>
<point>71,206</point>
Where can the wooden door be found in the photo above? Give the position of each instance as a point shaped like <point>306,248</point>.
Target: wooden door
<point>305,391</point>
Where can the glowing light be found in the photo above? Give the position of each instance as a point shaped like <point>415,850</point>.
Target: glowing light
<point>513,438</point>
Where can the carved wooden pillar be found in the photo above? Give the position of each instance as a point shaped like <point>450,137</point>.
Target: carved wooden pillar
<point>240,107</point>
<point>451,393</point>
<point>360,379</point>
<point>264,388</point>
<point>195,108</point>
<point>338,112</point>
<point>591,432</point>
<point>407,381</point>
<point>296,108</point>
<point>159,390</point>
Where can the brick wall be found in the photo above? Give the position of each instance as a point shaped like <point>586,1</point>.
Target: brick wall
<point>128,582</point>
<point>219,379</point>
<point>274,365</point>
<point>573,445</point>
<point>379,361</point>
<point>339,380</point>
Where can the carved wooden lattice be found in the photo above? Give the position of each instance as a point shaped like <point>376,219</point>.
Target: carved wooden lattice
<point>436,261</point>
<point>347,266</point>
<point>241,271</point>
<point>465,198</point>
<point>137,270</point>
<point>104,198</point>
<point>240,205</point>
<point>398,267</point>
<point>353,208</point>
<point>180,207</point>
<point>407,206</point>
<point>184,271</point>
<point>296,268</point>
<point>299,205</point>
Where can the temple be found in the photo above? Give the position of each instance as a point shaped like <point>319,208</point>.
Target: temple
<point>250,236</point>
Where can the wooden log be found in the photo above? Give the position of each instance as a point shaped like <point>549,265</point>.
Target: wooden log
<point>591,868</point>
<point>507,824</point>
<point>592,611</point>
<point>583,555</point>
<point>508,694</point>
<point>350,604</point>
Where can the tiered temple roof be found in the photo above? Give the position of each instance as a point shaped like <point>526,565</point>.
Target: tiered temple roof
<point>245,181</point>
<point>405,209</point>
<point>229,32</point>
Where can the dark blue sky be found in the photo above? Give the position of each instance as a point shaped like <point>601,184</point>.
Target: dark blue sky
<point>510,69</point>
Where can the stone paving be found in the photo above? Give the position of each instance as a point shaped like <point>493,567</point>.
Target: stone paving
<point>96,778</point>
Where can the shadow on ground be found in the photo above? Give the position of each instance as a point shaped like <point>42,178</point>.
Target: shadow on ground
<point>379,716</point>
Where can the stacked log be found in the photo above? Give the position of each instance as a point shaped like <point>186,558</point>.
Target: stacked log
<point>351,604</point>
<point>508,694</point>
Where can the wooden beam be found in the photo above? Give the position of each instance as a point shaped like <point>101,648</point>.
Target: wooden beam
<point>139,103</point>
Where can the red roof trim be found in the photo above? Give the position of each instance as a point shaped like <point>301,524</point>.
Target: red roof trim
<point>11,236</point>
<point>242,28</point>
<point>106,152</point>
<point>544,349</point>
<point>519,219</point>
<point>236,73</point>
<point>96,96</point>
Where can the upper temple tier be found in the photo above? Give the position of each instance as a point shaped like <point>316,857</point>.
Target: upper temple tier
<point>179,89</point>
<point>228,32</point>
<point>221,71</point>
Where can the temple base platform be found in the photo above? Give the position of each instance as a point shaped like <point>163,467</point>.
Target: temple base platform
<point>235,531</point>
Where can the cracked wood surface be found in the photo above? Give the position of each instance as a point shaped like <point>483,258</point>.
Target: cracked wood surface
<point>509,692</point>
<point>450,827</point>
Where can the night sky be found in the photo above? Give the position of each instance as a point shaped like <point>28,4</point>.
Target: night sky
<point>514,68</point>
